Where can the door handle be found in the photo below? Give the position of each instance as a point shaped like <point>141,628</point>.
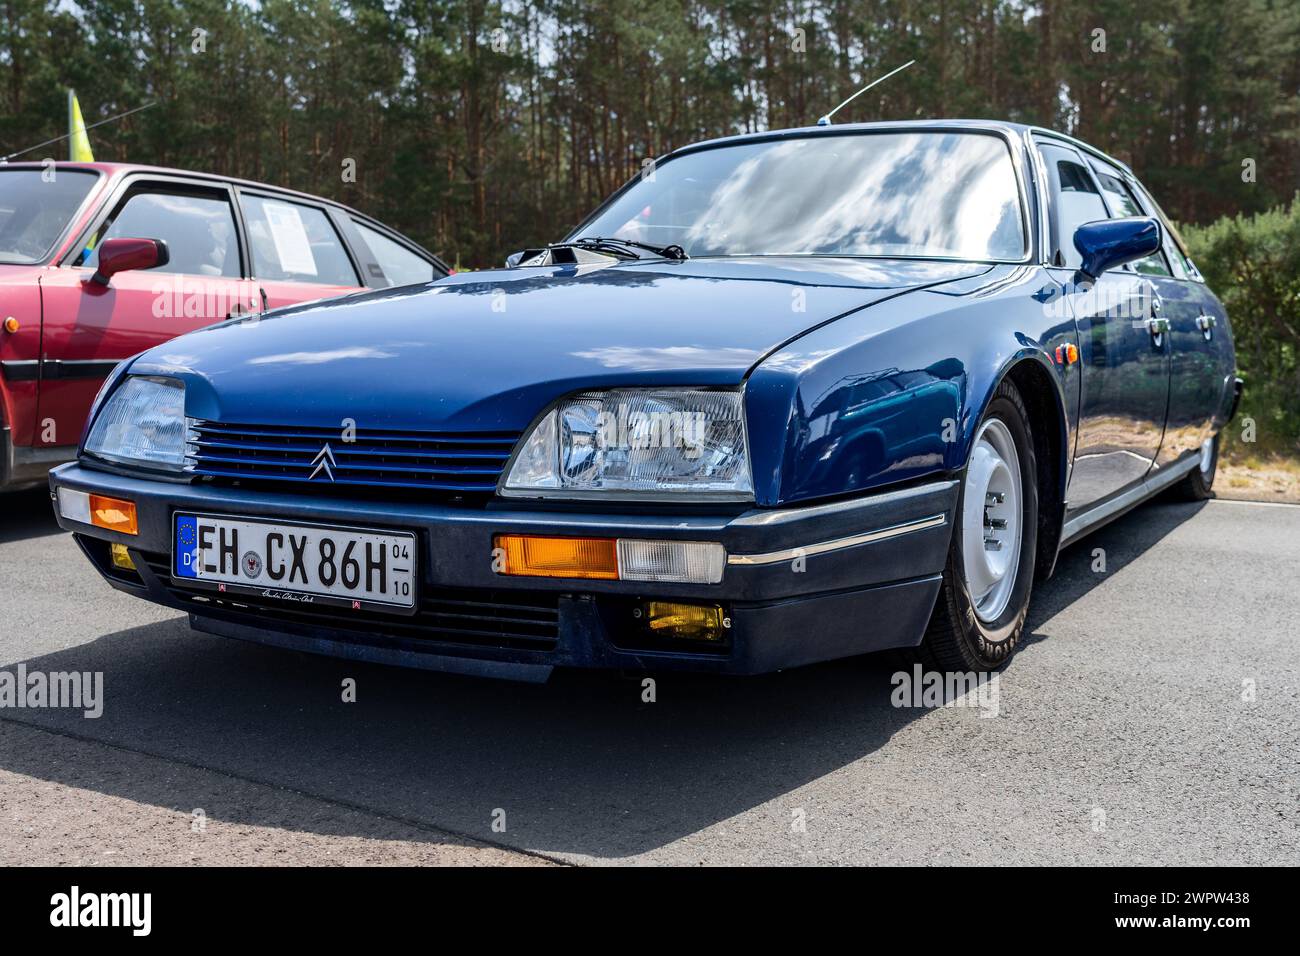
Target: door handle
<point>1157,327</point>
<point>1152,294</point>
<point>1206,324</point>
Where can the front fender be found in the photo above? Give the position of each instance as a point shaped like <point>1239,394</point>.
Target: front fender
<point>907,379</point>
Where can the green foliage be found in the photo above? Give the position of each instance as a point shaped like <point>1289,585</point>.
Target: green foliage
<point>1253,263</point>
<point>481,126</point>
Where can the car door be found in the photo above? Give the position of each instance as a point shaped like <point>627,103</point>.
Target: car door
<point>1124,383</point>
<point>296,251</point>
<point>89,327</point>
<point>1202,365</point>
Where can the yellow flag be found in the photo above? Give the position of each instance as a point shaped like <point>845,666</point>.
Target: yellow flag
<point>78,141</point>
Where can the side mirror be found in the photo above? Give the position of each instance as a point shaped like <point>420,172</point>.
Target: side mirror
<point>1108,243</point>
<point>119,255</point>
<point>514,258</point>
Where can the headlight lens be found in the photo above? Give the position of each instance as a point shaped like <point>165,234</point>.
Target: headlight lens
<point>142,423</point>
<point>637,443</point>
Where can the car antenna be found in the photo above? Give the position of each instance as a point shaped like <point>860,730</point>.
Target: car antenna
<point>826,120</point>
<point>49,142</point>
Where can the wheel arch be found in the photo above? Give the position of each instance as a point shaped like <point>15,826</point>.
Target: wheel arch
<point>1040,388</point>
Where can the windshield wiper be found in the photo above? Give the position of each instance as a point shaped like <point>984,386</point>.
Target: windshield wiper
<point>600,243</point>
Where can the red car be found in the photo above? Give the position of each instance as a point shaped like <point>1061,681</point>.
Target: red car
<point>99,261</point>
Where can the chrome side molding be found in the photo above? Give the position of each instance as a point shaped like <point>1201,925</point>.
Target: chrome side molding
<point>835,544</point>
<point>1077,526</point>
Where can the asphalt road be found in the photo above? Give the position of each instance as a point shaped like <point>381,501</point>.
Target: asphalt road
<point>1126,732</point>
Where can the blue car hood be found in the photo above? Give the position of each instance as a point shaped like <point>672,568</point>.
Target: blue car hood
<point>488,350</point>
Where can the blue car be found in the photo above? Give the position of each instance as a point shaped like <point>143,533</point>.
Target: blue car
<point>783,398</point>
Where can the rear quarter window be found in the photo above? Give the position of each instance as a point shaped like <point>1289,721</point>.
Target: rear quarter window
<point>401,266</point>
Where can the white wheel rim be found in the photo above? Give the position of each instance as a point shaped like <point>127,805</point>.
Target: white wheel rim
<point>991,520</point>
<point>1207,455</point>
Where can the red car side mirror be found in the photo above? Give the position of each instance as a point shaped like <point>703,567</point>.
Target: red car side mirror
<point>119,255</point>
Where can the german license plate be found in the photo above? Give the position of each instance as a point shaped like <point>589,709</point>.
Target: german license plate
<point>356,568</point>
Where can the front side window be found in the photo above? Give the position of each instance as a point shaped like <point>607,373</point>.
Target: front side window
<point>401,266</point>
<point>35,209</point>
<point>291,242</point>
<point>1077,200</point>
<point>199,230</point>
<point>1175,246</point>
<point>906,195</point>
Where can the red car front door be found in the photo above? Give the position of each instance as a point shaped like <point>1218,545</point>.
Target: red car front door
<point>89,327</point>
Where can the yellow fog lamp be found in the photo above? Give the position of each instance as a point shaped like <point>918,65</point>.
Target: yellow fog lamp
<point>120,557</point>
<point>686,622</point>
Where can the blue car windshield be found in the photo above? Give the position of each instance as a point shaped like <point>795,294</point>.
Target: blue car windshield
<point>950,195</point>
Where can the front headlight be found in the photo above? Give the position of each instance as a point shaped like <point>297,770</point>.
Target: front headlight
<point>142,423</point>
<point>637,443</point>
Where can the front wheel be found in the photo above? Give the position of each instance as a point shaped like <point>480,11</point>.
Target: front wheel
<point>980,613</point>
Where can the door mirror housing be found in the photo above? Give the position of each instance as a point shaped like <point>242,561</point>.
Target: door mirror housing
<point>121,254</point>
<point>1108,243</point>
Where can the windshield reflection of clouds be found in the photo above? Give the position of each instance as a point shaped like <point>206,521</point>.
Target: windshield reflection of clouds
<point>915,194</point>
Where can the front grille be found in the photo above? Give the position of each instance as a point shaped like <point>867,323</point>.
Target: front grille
<point>528,620</point>
<point>452,462</point>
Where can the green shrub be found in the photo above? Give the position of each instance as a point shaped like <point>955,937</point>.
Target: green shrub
<point>1253,263</point>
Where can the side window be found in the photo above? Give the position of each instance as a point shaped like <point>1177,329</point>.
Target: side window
<point>291,242</point>
<point>1076,199</point>
<point>401,266</point>
<point>198,227</point>
<point>1175,247</point>
<point>1123,203</point>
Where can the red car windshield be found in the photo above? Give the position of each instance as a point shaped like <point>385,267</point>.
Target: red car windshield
<point>35,207</point>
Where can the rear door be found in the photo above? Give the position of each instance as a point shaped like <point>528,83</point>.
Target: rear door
<point>1202,363</point>
<point>296,250</point>
<point>88,327</point>
<point>1125,368</point>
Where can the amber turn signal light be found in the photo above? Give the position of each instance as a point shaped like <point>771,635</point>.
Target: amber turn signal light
<point>113,514</point>
<point>545,557</point>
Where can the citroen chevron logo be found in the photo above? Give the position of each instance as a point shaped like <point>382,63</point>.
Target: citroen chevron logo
<point>324,461</point>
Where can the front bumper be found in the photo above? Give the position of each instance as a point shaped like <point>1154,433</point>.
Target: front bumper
<point>801,584</point>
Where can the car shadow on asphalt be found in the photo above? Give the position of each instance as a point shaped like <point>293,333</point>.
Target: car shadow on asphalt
<point>27,514</point>
<point>581,765</point>
<point>1080,567</point>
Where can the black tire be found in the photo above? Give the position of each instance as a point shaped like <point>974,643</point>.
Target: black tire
<point>956,639</point>
<point>1199,484</point>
